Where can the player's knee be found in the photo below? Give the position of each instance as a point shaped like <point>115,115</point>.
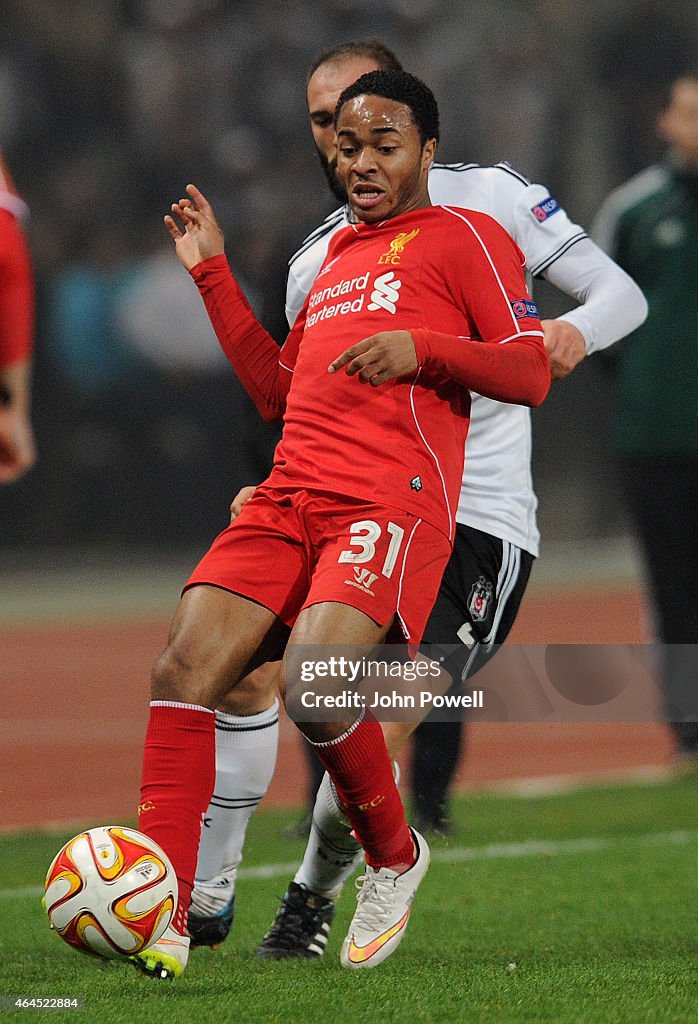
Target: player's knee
<point>173,679</point>
<point>254,693</point>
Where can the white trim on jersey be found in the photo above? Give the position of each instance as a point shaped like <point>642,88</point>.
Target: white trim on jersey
<point>466,220</point>
<point>521,334</point>
<point>431,452</point>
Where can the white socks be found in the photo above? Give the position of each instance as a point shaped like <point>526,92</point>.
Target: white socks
<point>246,747</point>
<point>332,853</point>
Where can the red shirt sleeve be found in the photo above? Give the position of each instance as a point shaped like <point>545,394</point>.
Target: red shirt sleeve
<point>264,370</point>
<point>16,293</point>
<point>516,372</point>
<point>484,270</point>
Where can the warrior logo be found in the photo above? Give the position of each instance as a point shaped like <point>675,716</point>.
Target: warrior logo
<point>479,600</point>
<point>385,293</point>
<point>397,246</point>
<point>416,483</point>
<point>365,578</point>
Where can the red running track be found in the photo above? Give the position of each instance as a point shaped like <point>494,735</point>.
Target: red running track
<point>75,704</point>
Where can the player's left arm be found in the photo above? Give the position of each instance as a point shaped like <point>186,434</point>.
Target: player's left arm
<point>379,358</point>
<point>484,270</point>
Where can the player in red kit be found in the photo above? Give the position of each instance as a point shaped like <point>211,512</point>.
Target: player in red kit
<point>495,546</point>
<point>373,386</point>
<point>17,452</point>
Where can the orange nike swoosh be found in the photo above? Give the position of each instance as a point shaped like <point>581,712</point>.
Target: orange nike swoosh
<point>359,954</point>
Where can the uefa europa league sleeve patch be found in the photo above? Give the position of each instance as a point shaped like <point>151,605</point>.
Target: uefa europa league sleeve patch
<point>545,209</point>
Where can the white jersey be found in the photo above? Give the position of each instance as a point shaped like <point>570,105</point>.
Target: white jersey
<point>497,493</point>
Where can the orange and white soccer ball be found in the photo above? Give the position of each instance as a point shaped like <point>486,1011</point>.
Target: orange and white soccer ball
<point>110,891</point>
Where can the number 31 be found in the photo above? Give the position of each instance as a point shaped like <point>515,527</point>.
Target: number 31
<point>365,535</point>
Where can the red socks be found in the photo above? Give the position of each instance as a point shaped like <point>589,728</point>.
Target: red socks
<point>179,772</point>
<point>362,773</point>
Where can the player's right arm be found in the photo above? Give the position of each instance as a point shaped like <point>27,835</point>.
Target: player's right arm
<point>263,370</point>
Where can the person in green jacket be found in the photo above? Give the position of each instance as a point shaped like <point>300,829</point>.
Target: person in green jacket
<point>650,227</point>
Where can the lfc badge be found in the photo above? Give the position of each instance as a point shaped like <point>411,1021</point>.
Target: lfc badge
<point>397,246</point>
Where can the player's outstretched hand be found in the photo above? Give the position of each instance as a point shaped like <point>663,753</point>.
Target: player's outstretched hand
<point>565,346</point>
<point>380,358</point>
<point>201,236</point>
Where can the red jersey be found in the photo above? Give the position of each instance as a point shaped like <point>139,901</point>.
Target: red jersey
<point>16,278</point>
<point>452,278</point>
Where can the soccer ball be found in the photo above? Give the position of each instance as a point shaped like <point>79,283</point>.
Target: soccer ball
<point>110,891</point>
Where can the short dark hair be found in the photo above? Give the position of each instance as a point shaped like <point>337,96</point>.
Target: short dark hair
<point>370,49</point>
<point>403,88</point>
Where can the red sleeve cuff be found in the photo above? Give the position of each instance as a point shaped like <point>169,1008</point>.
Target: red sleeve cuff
<point>213,263</point>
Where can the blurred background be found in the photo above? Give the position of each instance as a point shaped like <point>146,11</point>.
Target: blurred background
<point>109,107</point>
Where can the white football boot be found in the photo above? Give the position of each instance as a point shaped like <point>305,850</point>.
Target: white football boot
<point>383,909</point>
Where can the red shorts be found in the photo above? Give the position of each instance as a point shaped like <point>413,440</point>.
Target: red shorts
<point>287,551</point>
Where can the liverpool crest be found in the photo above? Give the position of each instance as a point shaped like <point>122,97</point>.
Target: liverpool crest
<point>397,247</point>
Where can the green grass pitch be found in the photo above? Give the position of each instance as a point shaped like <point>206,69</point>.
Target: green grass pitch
<point>571,909</point>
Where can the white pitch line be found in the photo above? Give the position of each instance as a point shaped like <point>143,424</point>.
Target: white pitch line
<point>456,855</point>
